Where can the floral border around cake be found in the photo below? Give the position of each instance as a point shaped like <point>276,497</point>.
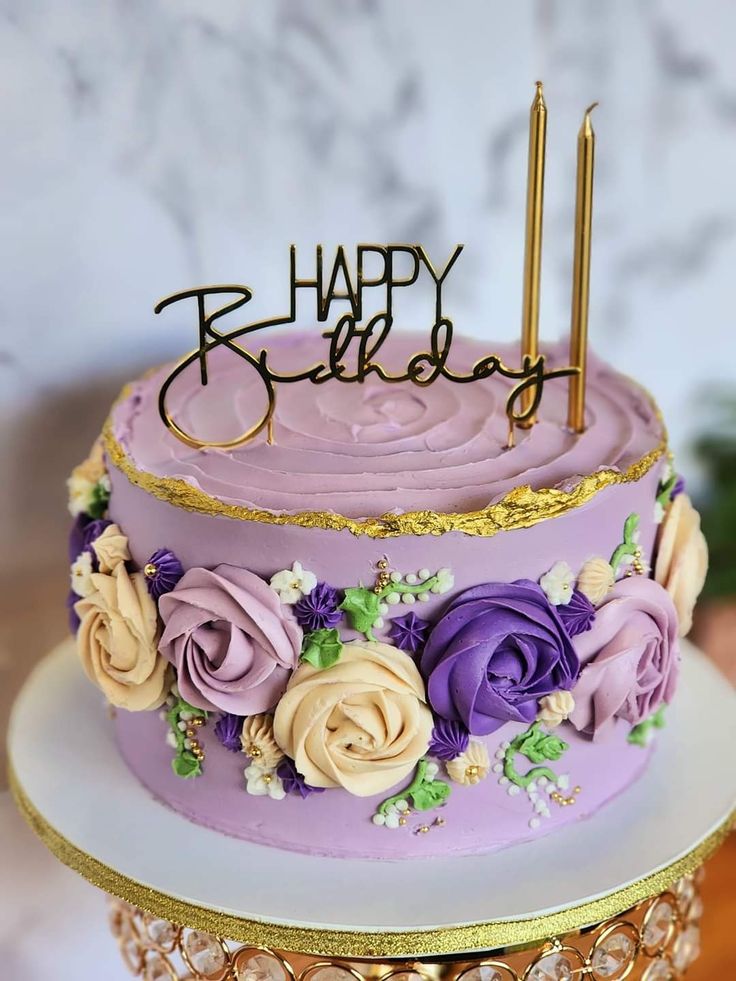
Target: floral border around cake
<point>323,687</point>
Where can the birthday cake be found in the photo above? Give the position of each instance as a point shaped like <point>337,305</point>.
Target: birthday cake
<point>378,629</point>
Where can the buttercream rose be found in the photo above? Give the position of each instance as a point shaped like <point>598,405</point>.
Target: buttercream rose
<point>631,658</point>
<point>116,640</point>
<point>682,558</point>
<point>499,649</point>
<point>362,724</point>
<point>231,640</point>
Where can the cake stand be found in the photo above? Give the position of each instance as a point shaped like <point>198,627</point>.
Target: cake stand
<point>613,896</point>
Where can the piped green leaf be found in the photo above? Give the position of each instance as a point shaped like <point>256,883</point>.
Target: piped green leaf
<point>186,765</point>
<point>322,648</point>
<point>430,794</point>
<point>361,606</point>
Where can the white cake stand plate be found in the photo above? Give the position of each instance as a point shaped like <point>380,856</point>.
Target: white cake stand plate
<point>77,793</point>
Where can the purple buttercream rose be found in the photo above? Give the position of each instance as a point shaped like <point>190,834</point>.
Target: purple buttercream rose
<point>231,640</point>
<point>630,657</point>
<point>499,648</point>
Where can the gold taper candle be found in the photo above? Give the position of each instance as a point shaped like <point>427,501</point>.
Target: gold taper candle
<point>533,244</point>
<point>581,273</point>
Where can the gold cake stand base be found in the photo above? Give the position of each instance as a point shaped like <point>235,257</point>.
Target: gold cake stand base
<point>656,940</point>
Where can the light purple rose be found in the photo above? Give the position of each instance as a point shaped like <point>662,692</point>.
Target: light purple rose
<point>232,642</point>
<point>499,648</point>
<point>631,656</point>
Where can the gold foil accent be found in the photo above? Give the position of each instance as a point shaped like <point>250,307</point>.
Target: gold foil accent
<point>522,507</point>
<point>351,944</point>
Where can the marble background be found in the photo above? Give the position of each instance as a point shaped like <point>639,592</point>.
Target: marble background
<point>153,144</point>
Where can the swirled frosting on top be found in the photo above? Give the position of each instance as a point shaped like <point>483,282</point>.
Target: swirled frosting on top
<point>363,450</point>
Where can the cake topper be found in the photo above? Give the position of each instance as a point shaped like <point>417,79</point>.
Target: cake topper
<point>363,337</point>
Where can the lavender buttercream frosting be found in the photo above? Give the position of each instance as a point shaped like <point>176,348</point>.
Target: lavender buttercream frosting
<point>373,448</point>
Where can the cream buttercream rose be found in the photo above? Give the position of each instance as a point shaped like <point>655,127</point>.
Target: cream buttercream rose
<point>117,640</point>
<point>362,724</point>
<point>682,558</point>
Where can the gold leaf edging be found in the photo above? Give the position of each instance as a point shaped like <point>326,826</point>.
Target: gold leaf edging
<point>522,507</point>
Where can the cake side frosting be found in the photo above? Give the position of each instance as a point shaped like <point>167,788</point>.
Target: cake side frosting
<point>490,686</point>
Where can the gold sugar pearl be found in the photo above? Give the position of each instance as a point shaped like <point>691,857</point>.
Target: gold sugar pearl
<point>471,771</point>
<point>254,752</point>
<point>150,570</point>
<point>402,821</point>
<point>423,829</point>
<point>440,822</point>
<point>190,733</point>
<point>267,778</point>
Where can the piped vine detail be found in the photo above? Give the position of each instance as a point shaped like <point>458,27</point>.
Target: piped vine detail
<point>184,723</point>
<point>536,746</point>
<point>366,607</point>
<point>424,792</point>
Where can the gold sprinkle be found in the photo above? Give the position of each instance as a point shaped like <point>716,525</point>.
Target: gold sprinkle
<point>198,721</point>
<point>471,771</point>
<point>423,829</point>
<point>267,778</point>
<point>440,822</point>
<point>150,570</point>
<point>402,821</point>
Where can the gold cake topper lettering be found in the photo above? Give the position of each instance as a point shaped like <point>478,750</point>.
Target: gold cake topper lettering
<point>363,341</point>
<point>348,336</point>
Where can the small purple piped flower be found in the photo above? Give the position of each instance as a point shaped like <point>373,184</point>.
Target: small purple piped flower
<point>578,615</point>
<point>162,571</point>
<point>74,620</point>
<point>293,781</point>
<point>449,739</point>
<point>409,632</point>
<point>228,729</point>
<point>83,532</point>
<point>679,487</point>
<point>318,609</point>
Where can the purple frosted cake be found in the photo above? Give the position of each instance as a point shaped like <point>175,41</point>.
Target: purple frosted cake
<point>383,633</point>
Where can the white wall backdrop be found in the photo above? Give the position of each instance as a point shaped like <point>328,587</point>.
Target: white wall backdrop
<point>150,145</point>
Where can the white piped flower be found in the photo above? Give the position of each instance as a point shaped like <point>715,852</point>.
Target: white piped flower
<point>445,581</point>
<point>81,575</point>
<point>292,584</point>
<point>470,767</point>
<point>263,782</point>
<point>555,708</point>
<point>558,584</point>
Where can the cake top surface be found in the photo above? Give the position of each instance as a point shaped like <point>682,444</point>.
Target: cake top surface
<point>373,448</point>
